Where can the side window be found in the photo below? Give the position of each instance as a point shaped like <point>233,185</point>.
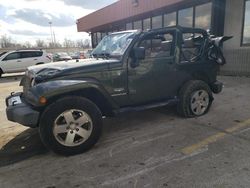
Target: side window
<point>158,45</point>
<point>27,54</point>
<point>39,53</point>
<point>30,54</point>
<point>12,56</point>
<point>2,53</point>
<point>192,47</point>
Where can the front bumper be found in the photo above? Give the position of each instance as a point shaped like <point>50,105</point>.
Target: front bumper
<point>22,113</point>
<point>217,87</point>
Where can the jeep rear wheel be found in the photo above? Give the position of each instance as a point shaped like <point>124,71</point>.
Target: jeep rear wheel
<point>195,99</point>
<point>71,125</point>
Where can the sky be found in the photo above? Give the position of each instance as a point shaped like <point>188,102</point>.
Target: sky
<point>28,20</point>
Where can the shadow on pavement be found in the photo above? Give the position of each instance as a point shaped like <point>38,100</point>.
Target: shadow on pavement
<point>28,143</point>
<point>23,146</point>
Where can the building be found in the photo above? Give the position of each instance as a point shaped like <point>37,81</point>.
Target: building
<point>222,17</point>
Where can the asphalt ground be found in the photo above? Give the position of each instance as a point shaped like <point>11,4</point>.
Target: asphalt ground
<point>152,148</point>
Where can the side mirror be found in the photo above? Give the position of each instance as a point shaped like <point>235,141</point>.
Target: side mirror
<point>139,53</point>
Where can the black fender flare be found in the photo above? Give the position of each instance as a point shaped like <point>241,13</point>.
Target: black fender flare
<point>55,88</point>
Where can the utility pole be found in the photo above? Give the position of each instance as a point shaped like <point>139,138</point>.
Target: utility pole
<point>54,38</point>
<point>52,41</point>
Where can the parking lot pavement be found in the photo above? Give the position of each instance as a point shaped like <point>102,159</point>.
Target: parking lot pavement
<point>153,148</point>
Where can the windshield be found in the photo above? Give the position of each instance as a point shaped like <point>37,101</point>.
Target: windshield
<point>114,44</point>
<point>2,53</point>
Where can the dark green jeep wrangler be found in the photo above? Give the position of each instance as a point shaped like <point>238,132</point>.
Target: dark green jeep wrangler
<point>128,71</point>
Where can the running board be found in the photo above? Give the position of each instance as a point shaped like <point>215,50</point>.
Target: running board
<point>148,106</point>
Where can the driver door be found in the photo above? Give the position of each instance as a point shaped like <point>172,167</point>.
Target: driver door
<point>152,80</point>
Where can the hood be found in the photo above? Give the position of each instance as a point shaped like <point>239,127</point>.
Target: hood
<point>70,69</point>
<point>83,65</point>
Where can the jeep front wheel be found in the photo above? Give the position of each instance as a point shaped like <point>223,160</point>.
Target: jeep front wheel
<point>195,99</point>
<point>71,125</point>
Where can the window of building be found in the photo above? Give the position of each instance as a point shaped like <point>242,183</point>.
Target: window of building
<point>94,39</point>
<point>147,24</point>
<point>121,27</point>
<point>246,28</point>
<point>203,16</point>
<point>103,34</point>
<point>170,19</point>
<point>185,17</point>
<point>99,37</point>
<point>129,26</point>
<point>157,22</point>
<point>138,24</point>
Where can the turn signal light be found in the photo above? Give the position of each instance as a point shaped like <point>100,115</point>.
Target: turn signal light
<point>43,100</point>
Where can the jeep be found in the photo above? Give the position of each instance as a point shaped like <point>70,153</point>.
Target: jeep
<point>128,71</point>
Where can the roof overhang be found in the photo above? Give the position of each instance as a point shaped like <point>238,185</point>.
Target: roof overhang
<point>124,10</point>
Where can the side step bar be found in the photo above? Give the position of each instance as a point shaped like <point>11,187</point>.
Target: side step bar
<point>148,106</point>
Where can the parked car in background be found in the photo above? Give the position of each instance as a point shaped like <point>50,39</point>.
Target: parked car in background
<point>50,55</point>
<point>88,53</point>
<point>2,53</point>
<point>61,56</point>
<point>77,55</point>
<point>19,60</point>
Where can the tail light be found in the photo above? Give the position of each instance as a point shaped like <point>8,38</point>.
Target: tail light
<point>49,57</point>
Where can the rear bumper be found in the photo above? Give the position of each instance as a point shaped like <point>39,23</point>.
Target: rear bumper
<point>217,87</point>
<point>22,113</point>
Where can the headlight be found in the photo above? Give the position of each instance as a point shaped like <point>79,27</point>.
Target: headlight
<point>33,82</point>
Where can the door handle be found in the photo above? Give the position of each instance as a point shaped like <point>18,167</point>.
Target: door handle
<point>18,61</point>
<point>35,59</point>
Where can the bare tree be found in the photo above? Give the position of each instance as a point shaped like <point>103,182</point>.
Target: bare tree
<point>83,43</point>
<point>27,44</point>
<point>79,43</point>
<point>57,45</point>
<point>69,43</point>
<point>6,42</point>
<point>40,43</point>
<point>86,43</point>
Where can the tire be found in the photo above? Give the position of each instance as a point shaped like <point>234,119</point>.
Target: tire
<point>41,63</point>
<point>1,73</point>
<point>70,126</point>
<point>195,99</point>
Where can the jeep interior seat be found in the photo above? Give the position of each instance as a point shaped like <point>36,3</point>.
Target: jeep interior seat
<point>189,50</point>
<point>188,43</point>
<point>166,46</point>
<point>156,47</point>
<point>147,45</point>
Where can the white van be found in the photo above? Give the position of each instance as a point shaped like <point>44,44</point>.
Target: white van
<point>19,60</point>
